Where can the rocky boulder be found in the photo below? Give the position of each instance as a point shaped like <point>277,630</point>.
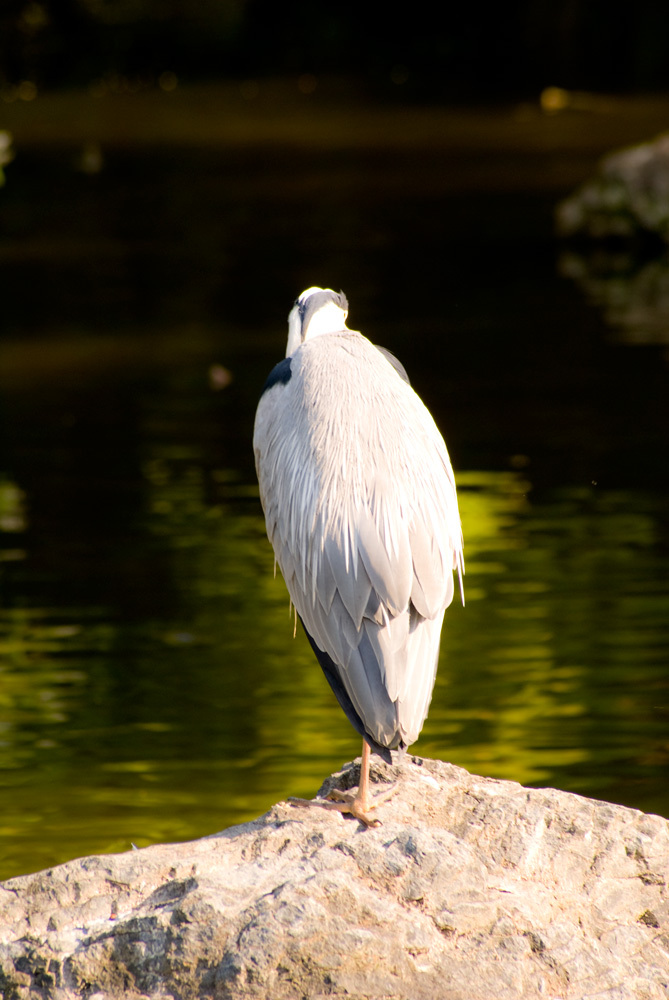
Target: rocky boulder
<point>472,888</point>
<point>628,196</point>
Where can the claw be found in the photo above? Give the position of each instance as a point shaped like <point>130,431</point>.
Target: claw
<point>358,801</point>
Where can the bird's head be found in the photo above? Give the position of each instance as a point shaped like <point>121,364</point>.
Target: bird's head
<point>316,311</point>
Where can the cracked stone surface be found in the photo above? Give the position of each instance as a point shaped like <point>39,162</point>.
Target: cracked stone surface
<point>472,889</point>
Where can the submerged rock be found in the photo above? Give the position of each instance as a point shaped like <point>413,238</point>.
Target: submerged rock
<point>627,197</point>
<point>472,888</point>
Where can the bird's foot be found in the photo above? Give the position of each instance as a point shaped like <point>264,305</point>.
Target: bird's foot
<point>359,805</point>
<point>351,802</point>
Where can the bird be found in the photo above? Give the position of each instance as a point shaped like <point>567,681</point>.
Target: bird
<point>361,509</point>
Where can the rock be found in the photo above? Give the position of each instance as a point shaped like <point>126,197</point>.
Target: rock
<point>628,197</point>
<point>617,225</point>
<point>472,888</point>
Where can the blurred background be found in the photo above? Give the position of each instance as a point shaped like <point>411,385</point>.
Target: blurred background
<point>172,176</point>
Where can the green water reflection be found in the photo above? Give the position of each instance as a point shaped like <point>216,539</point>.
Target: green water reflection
<point>566,635</point>
<point>176,724</point>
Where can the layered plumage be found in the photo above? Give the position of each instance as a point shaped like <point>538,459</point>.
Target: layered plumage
<point>361,510</point>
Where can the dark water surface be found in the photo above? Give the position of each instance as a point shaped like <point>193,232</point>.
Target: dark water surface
<point>150,687</point>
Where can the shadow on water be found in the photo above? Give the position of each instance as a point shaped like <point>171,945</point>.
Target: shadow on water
<point>150,687</point>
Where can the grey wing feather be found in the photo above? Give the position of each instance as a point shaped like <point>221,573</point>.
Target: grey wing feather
<point>351,581</point>
<point>432,581</point>
<point>389,571</point>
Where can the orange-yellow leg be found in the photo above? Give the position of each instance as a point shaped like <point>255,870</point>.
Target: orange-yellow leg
<point>358,802</point>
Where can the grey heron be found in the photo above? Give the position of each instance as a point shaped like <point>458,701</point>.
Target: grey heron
<point>361,509</point>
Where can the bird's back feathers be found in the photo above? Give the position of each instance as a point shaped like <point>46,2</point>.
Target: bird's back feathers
<point>360,504</point>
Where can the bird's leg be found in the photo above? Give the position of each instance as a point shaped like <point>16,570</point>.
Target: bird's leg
<point>363,786</point>
<point>359,804</point>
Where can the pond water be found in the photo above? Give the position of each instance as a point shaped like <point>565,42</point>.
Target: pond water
<point>150,685</point>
